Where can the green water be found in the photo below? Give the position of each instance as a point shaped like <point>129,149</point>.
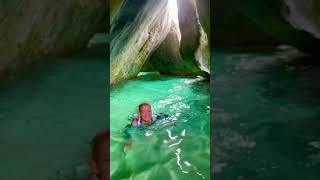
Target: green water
<point>266,116</point>
<point>154,155</point>
<point>48,116</point>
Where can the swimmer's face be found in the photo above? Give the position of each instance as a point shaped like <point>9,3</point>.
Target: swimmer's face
<point>145,113</point>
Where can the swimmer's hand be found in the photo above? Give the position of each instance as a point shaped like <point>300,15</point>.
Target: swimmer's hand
<point>134,123</point>
<point>127,147</point>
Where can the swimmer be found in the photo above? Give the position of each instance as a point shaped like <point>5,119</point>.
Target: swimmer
<point>145,112</point>
<point>145,118</point>
<point>100,159</point>
<point>145,115</point>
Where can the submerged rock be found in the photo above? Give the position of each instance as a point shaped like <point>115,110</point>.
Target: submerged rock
<point>149,75</point>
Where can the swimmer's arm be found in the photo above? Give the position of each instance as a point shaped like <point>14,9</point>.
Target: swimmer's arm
<point>134,123</point>
<point>161,116</point>
<point>127,147</point>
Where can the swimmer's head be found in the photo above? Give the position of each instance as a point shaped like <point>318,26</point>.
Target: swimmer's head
<point>100,155</point>
<point>145,112</point>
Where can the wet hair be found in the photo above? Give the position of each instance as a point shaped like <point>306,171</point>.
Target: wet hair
<point>143,104</point>
<point>101,139</point>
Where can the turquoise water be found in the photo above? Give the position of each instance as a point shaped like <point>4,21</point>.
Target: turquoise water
<point>266,116</point>
<point>48,116</point>
<point>175,148</point>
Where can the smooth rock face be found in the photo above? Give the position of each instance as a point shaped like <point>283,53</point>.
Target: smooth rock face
<point>188,55</point>
<point>166,59</point>
<point>203,7</point>
<point>304,15</point>
<point>190,32</point>
<point>194,45</point>
<point>115,6</point>
<point>33,29</point>
<point>137,37</point>
<point>150,35</point>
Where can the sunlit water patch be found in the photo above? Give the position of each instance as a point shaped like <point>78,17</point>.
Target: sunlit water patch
<point>177,147</point>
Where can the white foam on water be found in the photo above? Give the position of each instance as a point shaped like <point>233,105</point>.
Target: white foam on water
<point>169,134</point>
<point>187,163</point>
<point>175,143</point>
<point>148,133</point>
<point>200,175</point>
<point>183,132</point>
<point>178,157</point>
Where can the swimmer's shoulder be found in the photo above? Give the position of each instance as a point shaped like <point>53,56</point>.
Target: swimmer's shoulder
<point>135,122</point>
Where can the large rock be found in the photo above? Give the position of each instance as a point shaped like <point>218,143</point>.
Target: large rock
<point>176,44</point>
<point>185,53</point>
<point>115,6</point>
<point>30,30</point>
<point>167,59</point>
<point>291,22</point>
<point>194,46</point>
<point>137,29</point>
<point>304,15</point>
<point>203,7</point>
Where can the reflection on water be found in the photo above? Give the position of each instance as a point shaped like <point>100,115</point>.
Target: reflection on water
<point>176,147</point>
<point>266,116</point>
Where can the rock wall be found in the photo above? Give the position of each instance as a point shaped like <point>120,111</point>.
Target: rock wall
<point>304,15</point>
<point>30,30</point>
<point>138,28</point>
<point>151,35</point>
<point>272,22</point>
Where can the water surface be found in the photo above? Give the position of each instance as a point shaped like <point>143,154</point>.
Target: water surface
<point>266,116</point>
<point>175,148</point>
<point>48,115</point>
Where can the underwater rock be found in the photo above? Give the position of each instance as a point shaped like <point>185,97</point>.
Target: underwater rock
<point>149,75</point>
<point>30,30</point>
